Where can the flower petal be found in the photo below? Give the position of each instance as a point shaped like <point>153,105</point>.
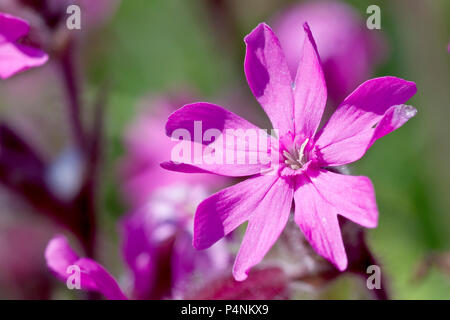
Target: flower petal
<point>394,118</point>
<point>12,28</point>
<point>228,170</point>
<point>93,277</point>
<point>350,131</point>
<point>15,58</point>
<point>235,146</point>
<point>320,227</point>
<point>59,256</point>
<point>224,211</point>
<point>139,251</point>
<point>211,116</point>
<point>269,78</point>
<point>310,91</point>
<point>320,197</point>
<point>265,225</point>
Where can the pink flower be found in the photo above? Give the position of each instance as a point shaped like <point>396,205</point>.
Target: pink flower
<point>348,50</point>
<point>14,56</point>
<point>63,261</point>
<point>300,160</point>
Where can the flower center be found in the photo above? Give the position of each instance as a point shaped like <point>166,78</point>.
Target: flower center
<point>295,158</point>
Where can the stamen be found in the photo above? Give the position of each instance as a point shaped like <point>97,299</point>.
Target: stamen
<point>290,162</point>
<point>294,157</point>
<point>289,156</point>
<point>302,149</point>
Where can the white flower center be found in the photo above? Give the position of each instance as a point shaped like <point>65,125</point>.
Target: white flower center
<point>295,158</point>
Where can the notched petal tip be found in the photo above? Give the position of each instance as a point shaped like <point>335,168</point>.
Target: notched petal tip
<point>306,27</point>
<point>408,111</point>
<point>310,37</point>
<point>254,33</point>
<point>399,115</point>
<point>268,76</point>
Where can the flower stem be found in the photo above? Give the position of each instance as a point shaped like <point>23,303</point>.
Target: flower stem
<point>72,88</point>
<point>85,203</point>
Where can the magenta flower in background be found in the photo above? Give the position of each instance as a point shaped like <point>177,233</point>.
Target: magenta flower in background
<point>348,50</point>
<point>157,245</point>
<point>300,159</point>
<point>93,277</point>
<point>157,233</point>
<point>99,11</point>
<point>15,56</point>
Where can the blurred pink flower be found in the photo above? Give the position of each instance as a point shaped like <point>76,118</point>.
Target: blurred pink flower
<point>298,171</point>
<point>348,50</point>
<point>15,56</point>
<point>157,233</point>
<point>157,244</point>
<point>97,12</point>
<point>93,277</point>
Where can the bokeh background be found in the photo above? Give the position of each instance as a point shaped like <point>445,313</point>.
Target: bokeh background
<point>139,49</point>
